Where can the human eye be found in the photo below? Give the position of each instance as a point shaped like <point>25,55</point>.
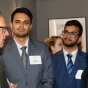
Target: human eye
<point>26,22</point>
<point>17,21</point>
<point>73,33</point>
<point>59,44</point>
<point>66,32</point>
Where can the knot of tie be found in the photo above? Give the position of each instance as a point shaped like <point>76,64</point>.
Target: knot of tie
<point>69,55</point>
<point>23,48</point>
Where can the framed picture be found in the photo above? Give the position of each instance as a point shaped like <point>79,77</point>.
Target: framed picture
<point>56,26</point>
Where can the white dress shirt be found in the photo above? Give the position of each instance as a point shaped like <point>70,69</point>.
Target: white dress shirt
<point>19,47</point>
<point>74,53</point>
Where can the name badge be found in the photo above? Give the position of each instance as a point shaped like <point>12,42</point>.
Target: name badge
<point>35,59</point>
<point>78,74</point>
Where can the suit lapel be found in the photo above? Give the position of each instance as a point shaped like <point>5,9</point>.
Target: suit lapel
<point>15,51</point>
<point>62,60</point>
<point>31,47</point>
<point>16,54</point>
<point>65,69</point>
<point>77,64</point>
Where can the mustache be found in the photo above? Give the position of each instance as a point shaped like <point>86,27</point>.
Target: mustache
<point>67,39</point>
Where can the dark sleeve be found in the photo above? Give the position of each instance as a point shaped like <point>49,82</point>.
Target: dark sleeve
<point>54,85</point>
<point>84,78</point>
<point>87,58</point>
<point>3,80</point>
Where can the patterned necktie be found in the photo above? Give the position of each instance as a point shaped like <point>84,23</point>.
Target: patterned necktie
<point>24,57</point>
<point>69,64</point>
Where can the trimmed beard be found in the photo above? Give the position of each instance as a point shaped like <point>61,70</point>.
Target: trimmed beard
<point>21,35</point>
<point>70,45</point>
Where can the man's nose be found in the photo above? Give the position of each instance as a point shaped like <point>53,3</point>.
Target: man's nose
<point>21,24</point>
<point>68,35</point>
<point>6,33</point>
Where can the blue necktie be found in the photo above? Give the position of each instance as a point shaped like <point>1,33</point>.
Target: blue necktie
<point>69,64</point>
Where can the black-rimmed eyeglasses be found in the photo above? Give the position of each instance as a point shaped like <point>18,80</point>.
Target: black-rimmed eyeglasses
<point>4,28</point>
<point>72,34</point>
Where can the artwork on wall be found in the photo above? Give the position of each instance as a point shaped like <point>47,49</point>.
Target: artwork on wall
<point>56,26</point>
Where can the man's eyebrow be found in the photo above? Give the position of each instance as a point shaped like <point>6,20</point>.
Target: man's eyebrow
<point>27,20</point>
<point>17,20</point>
<point>23,21</point>
<point>68,31</point>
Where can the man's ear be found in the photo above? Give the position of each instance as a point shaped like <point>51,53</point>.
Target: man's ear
<point>30,27</point>
<point>80,39</point>
<point>52,48</point>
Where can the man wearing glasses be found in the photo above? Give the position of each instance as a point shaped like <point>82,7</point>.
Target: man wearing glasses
<point>3,34</point>
<point>69,63</point>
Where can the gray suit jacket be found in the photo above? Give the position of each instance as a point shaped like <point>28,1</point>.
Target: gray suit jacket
<point>38,75</point>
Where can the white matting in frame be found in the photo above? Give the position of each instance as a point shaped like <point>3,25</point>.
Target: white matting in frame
<point>56,26</point>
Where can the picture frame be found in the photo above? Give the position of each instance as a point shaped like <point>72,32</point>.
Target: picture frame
<point>56,26</point>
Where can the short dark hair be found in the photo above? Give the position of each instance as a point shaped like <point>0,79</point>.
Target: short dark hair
<point>75,23</point>
<point>22,10</point>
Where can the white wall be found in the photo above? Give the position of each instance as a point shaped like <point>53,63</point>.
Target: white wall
<point>48,9</point>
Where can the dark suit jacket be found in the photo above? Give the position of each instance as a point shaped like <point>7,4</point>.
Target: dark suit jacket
<point>38,75</point>
<point>84,79</point>
<point>60,71</point>
<point>3,81</point>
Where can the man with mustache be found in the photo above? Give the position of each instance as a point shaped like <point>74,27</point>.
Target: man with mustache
<point>27,62</point>
<point>69,63</point>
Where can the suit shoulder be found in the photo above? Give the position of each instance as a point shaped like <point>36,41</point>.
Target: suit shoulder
<point>38,43</point>
<point>57,54</point>
<point>82,53</point>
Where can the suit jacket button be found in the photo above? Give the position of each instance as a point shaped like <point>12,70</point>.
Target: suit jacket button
<point>26,83</point>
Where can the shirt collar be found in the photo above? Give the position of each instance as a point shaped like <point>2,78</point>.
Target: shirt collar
<point>26,44</point>
<point>74,53</point>
<point>19,46</point>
